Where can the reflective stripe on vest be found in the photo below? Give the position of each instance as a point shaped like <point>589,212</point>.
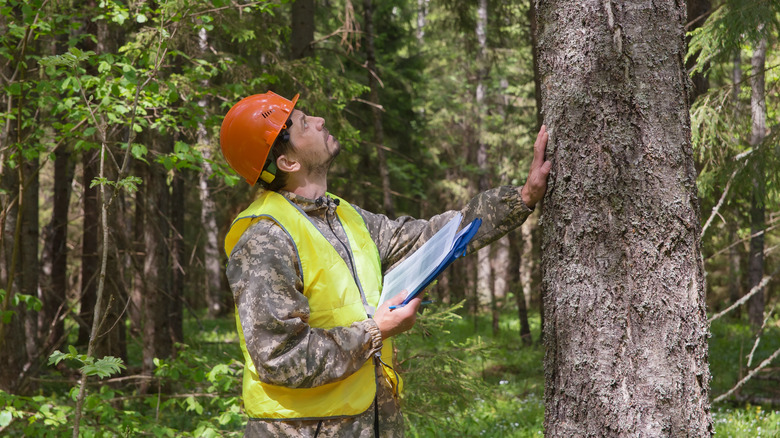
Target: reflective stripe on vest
<point>334,301</point>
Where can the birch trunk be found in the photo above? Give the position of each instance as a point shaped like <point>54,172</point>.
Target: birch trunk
<point>625,322</point>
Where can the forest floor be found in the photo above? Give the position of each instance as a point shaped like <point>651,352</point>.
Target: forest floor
<point>460,378</point>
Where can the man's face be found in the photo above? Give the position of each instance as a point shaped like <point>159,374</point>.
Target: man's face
<point>312,143</point>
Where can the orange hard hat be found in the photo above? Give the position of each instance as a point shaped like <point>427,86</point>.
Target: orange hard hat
<point>249,130</point>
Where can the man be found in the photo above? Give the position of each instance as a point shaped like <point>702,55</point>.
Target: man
<point>306,267</point>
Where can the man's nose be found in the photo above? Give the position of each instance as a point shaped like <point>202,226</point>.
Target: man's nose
<point>319,122</point>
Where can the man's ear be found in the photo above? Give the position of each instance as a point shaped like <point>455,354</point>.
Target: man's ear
<point>287,164</point>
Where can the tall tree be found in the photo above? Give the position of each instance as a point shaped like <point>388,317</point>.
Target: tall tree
<point>757,208</point>
<point>376,108</point>
<point>302,29</point>
<point>208,211</point>
<point>625,322</point>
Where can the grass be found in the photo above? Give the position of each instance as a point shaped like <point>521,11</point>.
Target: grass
<point>460,380</point>
<point>493,386</point>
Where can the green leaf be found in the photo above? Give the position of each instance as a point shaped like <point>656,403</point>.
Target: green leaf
<point>15,89</point>
<point>104,367</point>
<point>194,405</point>
<point>5,418</point>
<point>7,316</point>
<point>141,18</point>
<point>139,151</point>
<point>57,357</point>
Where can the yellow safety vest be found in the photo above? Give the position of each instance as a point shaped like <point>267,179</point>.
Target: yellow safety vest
<point>334,301</point>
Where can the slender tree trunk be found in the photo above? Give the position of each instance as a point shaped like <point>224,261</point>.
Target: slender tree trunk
<point>422,12</point>
<point>136,307</point>
<point>208,211</point>
<point>499,265</point>
<point>302,33</point>
<point>376,111</point>
<point>516,259</point>
<point>625,325</point>
<point>13,352</point>
<point>157,339</point>
<point>528,257</point>
<point>176,312</point>
<point>485,292</point>
<point>735,291</point>
<point>758,196</point>
<point>50,325</point>
<point>89,244</point>
<point>30,267</point>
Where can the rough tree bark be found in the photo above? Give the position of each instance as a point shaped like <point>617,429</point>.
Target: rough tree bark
<point>625,322</point>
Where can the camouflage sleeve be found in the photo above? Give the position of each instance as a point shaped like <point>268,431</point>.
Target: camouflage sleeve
<point>263,272</point>
<point>501,210</point>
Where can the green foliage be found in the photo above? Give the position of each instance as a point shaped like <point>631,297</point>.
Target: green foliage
<point>31,303</point>
<point>461,383</point>
<point>731,25</point>
<point>103,367</point>
<point>193,395</point>
<point>730,347</point>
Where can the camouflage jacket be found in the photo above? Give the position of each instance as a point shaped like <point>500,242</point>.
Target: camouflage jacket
<point>264,276</point>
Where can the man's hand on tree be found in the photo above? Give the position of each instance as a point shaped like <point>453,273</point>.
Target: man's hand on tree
<point>399,320</point>
<point>536,184</point>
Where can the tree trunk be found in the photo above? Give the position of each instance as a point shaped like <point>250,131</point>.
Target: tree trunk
<point>758,196</point>
<point>302,31</point>
<point>422,12</point>
<point>89,244</point>
<point>157,342</point>
<point>54,293</point>
<point>176,302</point>
<point>30,266</point>
<point>625,323</point>
<point>500,265</point>
<point>208,211</point>
<point>734,271</point>
<point>485,294</point>
<point>13,353</point>
<point>376,111</point>
<point>516,259</point>
<point>136,305</point>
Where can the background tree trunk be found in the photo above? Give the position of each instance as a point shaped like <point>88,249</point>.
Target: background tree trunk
<point>89,244</point>
<point>157,339</point>
<point>376,110</point>
<point>755,308</point>
<point>625,323</point>
<point>55,255</point>
<point>208,212</point>
<point>302,30</point>
<point>517,257</point>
